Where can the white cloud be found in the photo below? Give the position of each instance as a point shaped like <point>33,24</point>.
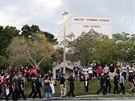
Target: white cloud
<point>123,18</point>
<point>49,5</point>
<point>18,13</point>
<point>9,17</point>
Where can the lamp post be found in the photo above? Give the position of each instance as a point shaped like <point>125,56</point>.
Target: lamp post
<point>64,53</point>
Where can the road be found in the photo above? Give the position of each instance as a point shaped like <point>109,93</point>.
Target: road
<point>80,99</point>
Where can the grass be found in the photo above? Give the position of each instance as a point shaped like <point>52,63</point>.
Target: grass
<point>94,85</point>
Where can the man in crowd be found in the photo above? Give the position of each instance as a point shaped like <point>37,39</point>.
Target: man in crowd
<point>108,83</point>
<point>63,85</point>
<point>112,70</point>
<point>116,83</point>
<point>71,85</point>
<point>131,83</point>
<point>122,84</point>
<point>76,71</point>
<point>102,84</point>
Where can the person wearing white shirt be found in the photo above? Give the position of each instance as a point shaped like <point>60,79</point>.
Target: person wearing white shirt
<point>86,82</point>
<point>124,70</point>
<point>106,70</point>
<point>90,72</point>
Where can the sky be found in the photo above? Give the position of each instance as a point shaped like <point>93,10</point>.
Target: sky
<point>47,14</point>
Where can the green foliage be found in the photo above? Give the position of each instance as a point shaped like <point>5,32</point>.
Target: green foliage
<point>58,55</point>
<point>93,46</point>
<point>104,51</point>
<point>94,86</point>
<point>6,35</point>
<point>27,31</point>
<point>30,51</point>
<point>81,48</point>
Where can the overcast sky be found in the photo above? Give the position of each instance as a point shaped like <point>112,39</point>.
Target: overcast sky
<point>47,14</point>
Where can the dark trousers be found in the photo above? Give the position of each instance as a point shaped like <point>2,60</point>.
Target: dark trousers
<point>86,89</point>
<point>108,87</point>
<point>22,93</point>
<point>15,94</point>
<point>116,88</point>
<point>124,74</point>
<point>71,91</point>
<point>90,76</point>
<point>122,88</point>
<point>39,92</point>
<point>95,74</point>
<point>0,91</point>
<point>33,92</point>
<point>102,88</point>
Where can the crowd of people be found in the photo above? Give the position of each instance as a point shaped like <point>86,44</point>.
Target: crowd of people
<point>14,80</point>
<point>106,74</point>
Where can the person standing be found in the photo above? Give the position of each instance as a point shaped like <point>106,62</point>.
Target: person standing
<point>90,72</point>
<point>76,71</point>
<point>124,70</point>
<point>116,82</point>
<point>122,85</point>
<point>82,80</point>
<point>52,82</point>
<point>21,87</point>
<point>131,83</point>
<point>106,70</point>
<point>111,69</point>
<point>86,83</point>
<point>108,83</point>
<point>15,89</point>
<point>63,85</point>
<point>33,87</point>
<point>38,87</point>
<point>47,88</point>
<point>102,84</point>
<point>71,85</point>
<point>100,70</point>
<point>94,71</point>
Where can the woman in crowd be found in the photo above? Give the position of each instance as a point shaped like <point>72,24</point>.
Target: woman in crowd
<point>47,88</point>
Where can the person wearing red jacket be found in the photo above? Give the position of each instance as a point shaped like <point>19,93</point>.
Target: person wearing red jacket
<point>100,70</point>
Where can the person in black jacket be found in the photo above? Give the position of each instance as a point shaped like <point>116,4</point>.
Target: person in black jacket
<point>33,86</point>
<point>63,85</point>
<point>15,89</point>
<point>102,84</point>
<point>131,83</point>
<point>108,84</point>
<point>116,84</point>
<point>38,86</point>
<point>21,87</point>
<point>71,85</point>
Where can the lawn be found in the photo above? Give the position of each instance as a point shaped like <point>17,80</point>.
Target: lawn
<point>94,85</point>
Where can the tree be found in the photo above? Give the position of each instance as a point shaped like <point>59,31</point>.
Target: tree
<point>58,55</point>
<point>104,51</point>
<point>123,46</point>
<point>82,47</point>
<point>32,51</point>
<point>27,31</point>
<point>6,36</point>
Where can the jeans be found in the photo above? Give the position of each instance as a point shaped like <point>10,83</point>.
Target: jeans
<point>48,95</point>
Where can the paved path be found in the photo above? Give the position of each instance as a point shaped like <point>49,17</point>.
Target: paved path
<point>80,99</point>
<point>83,98</point>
